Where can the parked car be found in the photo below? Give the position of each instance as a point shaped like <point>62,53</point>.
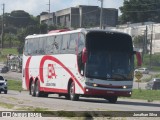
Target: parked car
<point>153,84</point>
<point>142,70</point>
<point>4,69</point>
<point>3,85</point>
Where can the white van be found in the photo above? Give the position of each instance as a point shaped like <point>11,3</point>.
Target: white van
<point>142,70</point>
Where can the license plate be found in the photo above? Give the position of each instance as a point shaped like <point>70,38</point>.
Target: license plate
<point>110,92</point>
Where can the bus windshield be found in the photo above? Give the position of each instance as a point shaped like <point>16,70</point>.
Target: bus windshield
<point>109,65</point>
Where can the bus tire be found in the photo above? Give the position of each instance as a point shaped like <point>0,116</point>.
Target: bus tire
<point>112,99</point>
<point>67,96</point>
<point>73,96</point>
<point>44,95</point>
<point>32,88</point>
<point>37,91</point>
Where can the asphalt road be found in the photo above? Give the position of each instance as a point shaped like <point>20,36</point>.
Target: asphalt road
<point>53,102</point>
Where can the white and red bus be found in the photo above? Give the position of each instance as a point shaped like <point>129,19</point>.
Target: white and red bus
<point>92,63</point>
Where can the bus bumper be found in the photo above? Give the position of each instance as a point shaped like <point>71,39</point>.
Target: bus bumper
<point>97,92</point>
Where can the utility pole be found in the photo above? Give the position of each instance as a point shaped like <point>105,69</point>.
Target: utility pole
<point>101,14</point>
<point>151,47</point>
<point>145,42</point>
<point>2,33</point>
<point>49,11</point>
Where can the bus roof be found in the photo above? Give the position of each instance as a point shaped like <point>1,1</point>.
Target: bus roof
<point>59,32</point>
<point>56,33</point>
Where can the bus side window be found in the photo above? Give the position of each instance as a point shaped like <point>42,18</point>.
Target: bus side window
<point>30,47</point>
<point>57,44</point>
<point>49,45</point>
<point>81,45</point>
<point>73,43</point>
<point>81,42</point>
<point>26,47</point>
<point>65,43</point>
<point>41,46</point>
<point>35,46</point>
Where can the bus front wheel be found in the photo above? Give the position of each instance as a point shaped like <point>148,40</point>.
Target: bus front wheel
<point>73,96</point>
<point>112,99</point>
<point>37,91</point>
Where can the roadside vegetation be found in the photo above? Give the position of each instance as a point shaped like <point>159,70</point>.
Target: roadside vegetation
<point>4,52</point>
<point>6,105</point>
<point>14,85</point>
<point>149,95</point>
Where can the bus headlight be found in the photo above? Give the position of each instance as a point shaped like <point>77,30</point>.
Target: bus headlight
<point>95,85</point>
<point>124,87</point>
<point>127,86</point>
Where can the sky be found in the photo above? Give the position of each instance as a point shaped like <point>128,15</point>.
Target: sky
<point>35,7</point>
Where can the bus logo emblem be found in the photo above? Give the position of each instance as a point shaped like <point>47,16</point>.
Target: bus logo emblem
<point>51,71</point>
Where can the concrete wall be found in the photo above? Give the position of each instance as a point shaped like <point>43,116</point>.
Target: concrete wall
<point>110,17</point>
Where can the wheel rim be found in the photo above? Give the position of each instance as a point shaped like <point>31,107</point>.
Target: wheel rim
<point>72,90</point>
<point>37,89</point>
<point>32,88</point>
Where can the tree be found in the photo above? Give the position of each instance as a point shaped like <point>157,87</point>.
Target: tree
<point>138,41</point>
<point>43,28</point>
<point>19,18</point>
<point>140,11</point>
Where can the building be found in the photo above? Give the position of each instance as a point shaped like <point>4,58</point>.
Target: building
<point>84,16</point>
<point>48,19</point>
<point>149,31</point>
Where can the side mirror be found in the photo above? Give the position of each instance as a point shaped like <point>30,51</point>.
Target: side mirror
<point>84,55</point>
<point>6,80</point>
<point>139,58</point>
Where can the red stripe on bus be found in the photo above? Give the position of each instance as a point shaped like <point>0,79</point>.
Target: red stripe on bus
<point>27,72</point>
<point>61,64</point>
<point>54,90</point>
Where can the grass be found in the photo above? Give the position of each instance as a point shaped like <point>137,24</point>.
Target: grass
<point>4,52</point>
<point>6,105</point>
<point>149,95</point>
<point>30,108</point>
<point>14,85</point>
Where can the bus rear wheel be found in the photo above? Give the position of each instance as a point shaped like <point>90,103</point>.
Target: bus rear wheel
<point>73,96</point>
<point>32,89</point>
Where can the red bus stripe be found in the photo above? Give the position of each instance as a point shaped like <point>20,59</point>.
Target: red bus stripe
<point>27,72</point>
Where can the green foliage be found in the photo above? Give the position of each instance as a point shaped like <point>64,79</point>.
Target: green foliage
<point>138,41</point>
<point>155,61</point>
<point>140,11</point>
<point>5,52</point>
<point>146,94</point>
<point>19,18</point>
<point>15,85</point>
<point>18,25</point>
